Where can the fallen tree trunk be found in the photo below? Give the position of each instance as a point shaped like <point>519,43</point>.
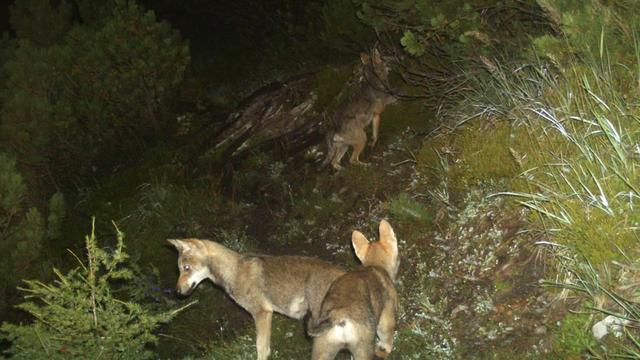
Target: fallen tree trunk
<point>283,114</point>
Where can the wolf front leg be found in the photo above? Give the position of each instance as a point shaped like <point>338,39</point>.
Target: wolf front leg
<point>386,329</point>
<point>341,149</point>
<point>263,333</point>
<point>375,123</point>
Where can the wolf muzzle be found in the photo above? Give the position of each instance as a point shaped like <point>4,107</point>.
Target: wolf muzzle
<point>187,292</point>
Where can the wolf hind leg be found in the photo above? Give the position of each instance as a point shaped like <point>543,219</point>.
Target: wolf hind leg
<point>358,144</point>
<point>324,348</point>
<point>363,348</point>
<point>363,353</point>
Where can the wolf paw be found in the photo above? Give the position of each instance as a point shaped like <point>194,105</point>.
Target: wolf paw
<point>382,352</point>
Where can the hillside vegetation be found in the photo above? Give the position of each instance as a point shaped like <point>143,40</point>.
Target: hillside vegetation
<point>508,168</point>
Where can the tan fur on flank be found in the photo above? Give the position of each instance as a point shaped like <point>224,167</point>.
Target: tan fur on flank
<point>261,284</point>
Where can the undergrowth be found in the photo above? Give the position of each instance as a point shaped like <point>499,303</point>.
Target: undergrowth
<point>574,141</point>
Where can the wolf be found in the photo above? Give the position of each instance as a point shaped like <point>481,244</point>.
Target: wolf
<point>261,284</point>
<point>356,113</point>
<point>361,304</point>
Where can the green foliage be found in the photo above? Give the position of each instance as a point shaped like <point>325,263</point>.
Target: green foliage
<point>12,190</point>
<point>405,209</point>
<point>94,13</point>
<point>27,240</point>
<point>23,230</point>
<point>233,239</point>
<point>485,152</point>
<point>572,339</point>
<point>445,38</point>
<point>30,117</point>
<point>122,83</point>
<point>99,90</point>
<point>458,26</point>
<point>586,25</point>
<point>575,144</point>
<point>287,342</point>
<point>40,22</point>
<point>242,347</point>
<point>605,292</point>
<point>79,317</point>
<point>342,30</point>
<point>574,127</point>
<point>477,154</point>
<point>57,209</point>
<point>426,335</point>
<point>20,229</point>
<point>328,83</point>
<point>411,45</point>
<point>577,154</point>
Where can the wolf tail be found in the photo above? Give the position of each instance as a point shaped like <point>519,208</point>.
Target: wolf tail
<point>325,323</point>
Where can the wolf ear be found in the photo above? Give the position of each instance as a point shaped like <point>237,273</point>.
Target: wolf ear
<point>364,57</point>
<point>387,235</point>
<point>376,55</point>
<point>180,245</point>
<point>360,245</point>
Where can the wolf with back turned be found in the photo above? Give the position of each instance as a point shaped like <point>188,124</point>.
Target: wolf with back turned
<point>261,284</point>
<point>358,111</point>
<point>361,304</point>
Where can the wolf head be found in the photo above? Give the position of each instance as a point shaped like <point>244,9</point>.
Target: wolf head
<point>376,69</point>
<point>382,253</point>
<point>191,263</point>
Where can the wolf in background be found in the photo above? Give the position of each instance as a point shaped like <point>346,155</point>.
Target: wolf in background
<point>261,284</point>
<point>361,304</point>
<point>356,113</point>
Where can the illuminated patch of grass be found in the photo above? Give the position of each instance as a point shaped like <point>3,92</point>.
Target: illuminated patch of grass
<point>397,117</point>
<point>287,342</point>
<point>484,151</point>
<point>404,208</point>
<point>576,154</point>
<point>572,338</point>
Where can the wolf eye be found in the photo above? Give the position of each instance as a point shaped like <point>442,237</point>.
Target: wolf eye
<point>186,267</point>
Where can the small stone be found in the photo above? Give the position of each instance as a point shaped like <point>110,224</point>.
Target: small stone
<point>611,324</point>
<point>458,309</point>
<point>540,330</point>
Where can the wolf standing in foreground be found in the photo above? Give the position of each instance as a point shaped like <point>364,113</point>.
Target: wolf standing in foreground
<point>358,112</point>
<point>261,284</point>
<point>361,304</point>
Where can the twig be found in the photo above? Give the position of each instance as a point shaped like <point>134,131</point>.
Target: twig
<point>92,277</point>
<point>404,162</point>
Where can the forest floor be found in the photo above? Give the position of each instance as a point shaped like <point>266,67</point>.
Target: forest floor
<point>470,275</point>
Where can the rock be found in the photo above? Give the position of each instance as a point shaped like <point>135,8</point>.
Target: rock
<point>540,330</point>
<point>609,324</point>
<point>458,309</point>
